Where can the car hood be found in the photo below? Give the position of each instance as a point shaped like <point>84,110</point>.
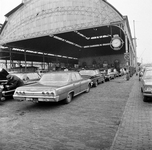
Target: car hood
<point>148,81</point>
<point>37,87</point>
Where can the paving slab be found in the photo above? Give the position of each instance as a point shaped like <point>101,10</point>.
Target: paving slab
<point>135,130</point>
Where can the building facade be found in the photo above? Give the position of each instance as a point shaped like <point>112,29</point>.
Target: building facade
<point>93,32</point>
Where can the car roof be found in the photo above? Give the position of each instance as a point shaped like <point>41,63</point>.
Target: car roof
<point>61,72</point>
<point>88,70</point>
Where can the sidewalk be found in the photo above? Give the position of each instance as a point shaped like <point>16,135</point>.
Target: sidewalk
<point>135,130</point>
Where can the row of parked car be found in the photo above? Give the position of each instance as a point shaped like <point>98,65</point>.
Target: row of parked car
<point>145,78</point>
<point>59,85</point>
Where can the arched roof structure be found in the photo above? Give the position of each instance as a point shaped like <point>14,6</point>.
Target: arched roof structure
<point>63,27</point>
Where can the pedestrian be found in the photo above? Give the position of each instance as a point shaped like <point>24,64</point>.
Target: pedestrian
<point>3,74</point>
<point>127,74</point>
<point>12,82</point>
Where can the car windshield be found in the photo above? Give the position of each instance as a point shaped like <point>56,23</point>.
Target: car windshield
<point>54,78</point>
<point>87,72</point>
<point>148,75</point>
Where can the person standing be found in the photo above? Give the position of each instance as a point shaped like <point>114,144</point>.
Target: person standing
<point>13,82</point>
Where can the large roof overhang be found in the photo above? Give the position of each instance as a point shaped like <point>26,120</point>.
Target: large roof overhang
<point>72,28</point>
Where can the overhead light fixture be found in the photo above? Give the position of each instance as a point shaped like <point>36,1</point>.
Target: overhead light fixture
<point>82,35</point>
<point>69,42</point>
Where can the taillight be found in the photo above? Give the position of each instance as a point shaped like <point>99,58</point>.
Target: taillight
<point>20,92</point>
<point>50,93</point>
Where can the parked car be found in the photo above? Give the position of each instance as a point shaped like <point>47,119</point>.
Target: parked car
<point>148,68</point>
<point>100,75</point>
<point>146,84</point>
<point>122,72</point>
<point>54,87</point>
<point>95,76</point>
<point>105,74</point>
<point>28,78</point>
<point>111,73</point>
<point>116,73</point>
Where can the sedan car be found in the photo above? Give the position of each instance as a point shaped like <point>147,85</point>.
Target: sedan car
<point>122,72</point>
<point>146,85</point>
<point>95,76</point>
<point>28,78</point>
<point>111,73</point>
<point>105,74</point>
<point>54,87</point>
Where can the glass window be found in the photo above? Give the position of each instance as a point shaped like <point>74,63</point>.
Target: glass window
<point>78,76</point>
<point>87,72</point>
<point>54,78</point>
<point>148,75</point>
<point>73,77</point>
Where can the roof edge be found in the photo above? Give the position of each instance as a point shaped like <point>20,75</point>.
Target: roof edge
<point>10,13</point>
<point>3,25</point>
<point>13,10</point>
<point>113,8</point>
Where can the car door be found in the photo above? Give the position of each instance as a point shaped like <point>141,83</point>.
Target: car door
<point>99,76</point>
<point>76,83</point>
<point>83,82</point>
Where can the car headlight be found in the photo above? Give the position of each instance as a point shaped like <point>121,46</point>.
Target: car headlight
<point>148,89</point>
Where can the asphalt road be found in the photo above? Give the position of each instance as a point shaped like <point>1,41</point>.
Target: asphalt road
<point>89,122</point>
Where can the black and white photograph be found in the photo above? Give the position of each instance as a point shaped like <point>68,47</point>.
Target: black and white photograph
<point>75,75</point>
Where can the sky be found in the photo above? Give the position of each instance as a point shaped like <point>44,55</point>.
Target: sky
<point>139,14</point>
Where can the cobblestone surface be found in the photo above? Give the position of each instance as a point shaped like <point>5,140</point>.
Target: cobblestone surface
<point>89,122</point>
<point>135,132</point>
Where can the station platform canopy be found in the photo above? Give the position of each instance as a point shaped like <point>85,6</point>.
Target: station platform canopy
<point>75,28</point>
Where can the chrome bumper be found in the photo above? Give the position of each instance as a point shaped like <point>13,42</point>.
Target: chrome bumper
<point>36,99</point>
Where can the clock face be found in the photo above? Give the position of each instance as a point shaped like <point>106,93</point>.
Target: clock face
<point>116,42</point>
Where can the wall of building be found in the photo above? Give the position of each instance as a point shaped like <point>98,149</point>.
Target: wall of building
<point>101,61</point>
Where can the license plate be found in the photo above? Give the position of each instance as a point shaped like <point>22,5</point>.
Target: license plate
<point>46,100</point>
<point>32,99</point>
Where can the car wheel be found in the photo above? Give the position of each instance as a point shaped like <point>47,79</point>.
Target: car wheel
<point>88,89</point>
<point>103,81</point>
<point>96,84</point>
<point>68,98</point>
